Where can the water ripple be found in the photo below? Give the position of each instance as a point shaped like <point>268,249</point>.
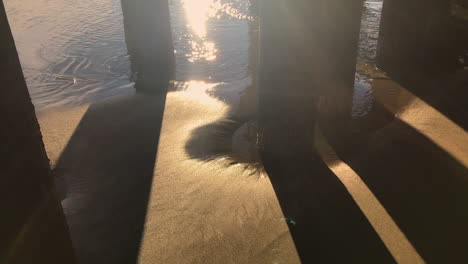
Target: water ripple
<point>72,52</point>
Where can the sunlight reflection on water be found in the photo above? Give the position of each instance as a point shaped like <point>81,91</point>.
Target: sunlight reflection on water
<point>74,52</point>
<point>198,13</point>
<point>211,40</point>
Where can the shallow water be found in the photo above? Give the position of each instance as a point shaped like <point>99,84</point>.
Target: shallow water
<point>74,52</point>
<point>363,98</point>
<point>211,41</point>
<point>71,52</point>
<point>370,26</point>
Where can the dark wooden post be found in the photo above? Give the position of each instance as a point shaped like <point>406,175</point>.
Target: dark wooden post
<point>32,225</point>
<point>149,42</point>
<point>308,51</point>
<point>416,36</point>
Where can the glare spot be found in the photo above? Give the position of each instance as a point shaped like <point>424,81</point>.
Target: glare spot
<point>198,90</point>
<point>205,50</point>
<point>198,12</point>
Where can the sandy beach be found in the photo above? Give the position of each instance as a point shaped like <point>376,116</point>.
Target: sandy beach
<point>198,210</point>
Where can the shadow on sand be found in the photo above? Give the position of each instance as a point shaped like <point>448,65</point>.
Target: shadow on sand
<point>421,185</point>
<point>108,164</point>
<point>326,224</point>
<point>107,168</point>
<point>225,139</point>
<point>445,92</point>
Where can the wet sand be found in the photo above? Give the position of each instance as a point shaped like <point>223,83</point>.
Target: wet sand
<point>118,178</point>
<point>187,202</point>
<point>143,179</point>
<point>212,211</point>
<point>411,150</point>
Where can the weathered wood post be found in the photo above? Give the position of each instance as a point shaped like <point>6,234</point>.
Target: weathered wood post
<point>415,36</point>
<point>308,51</point>
<point>149,42</point>
<point>32,225</point>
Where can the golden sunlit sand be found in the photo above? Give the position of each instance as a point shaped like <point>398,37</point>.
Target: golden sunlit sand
<point>198,210</point>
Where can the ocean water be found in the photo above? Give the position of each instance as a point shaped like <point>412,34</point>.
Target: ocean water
<point>370,26</point>
<point>363,99</point>
<point>74,52</point>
